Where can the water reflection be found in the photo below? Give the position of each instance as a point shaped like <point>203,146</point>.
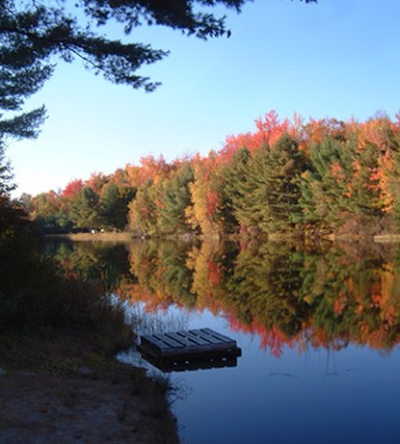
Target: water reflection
<point>318,327</point>
<point>287,295</point>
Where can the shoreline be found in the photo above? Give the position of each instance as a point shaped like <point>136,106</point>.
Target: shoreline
<point>117,405</point>
<point>61,391</point>
<point>107,236</point>
<point>128,237</point>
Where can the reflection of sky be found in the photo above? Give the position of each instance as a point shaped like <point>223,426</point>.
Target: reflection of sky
<point>318,396</point>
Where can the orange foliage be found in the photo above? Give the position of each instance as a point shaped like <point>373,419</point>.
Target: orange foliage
<point>337,172</point>
<point>150,168</point>
<point>375,131</point>
<point>153,301</point>
<point>153,168</point>
<point>269,130</point>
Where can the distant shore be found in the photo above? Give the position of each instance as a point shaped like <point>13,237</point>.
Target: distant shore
<point>125,236</point>
<point>106,236</point>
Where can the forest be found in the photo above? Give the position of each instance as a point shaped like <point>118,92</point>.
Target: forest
<point>314,178</point>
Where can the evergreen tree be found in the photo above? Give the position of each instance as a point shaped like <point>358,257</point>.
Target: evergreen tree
<point>229,185</point>
<point>250,198</point>
<point>325,185</point>
<point>176,198</point>
<point>284,164</point>
<point>114,205</point>
<point>85,211</point>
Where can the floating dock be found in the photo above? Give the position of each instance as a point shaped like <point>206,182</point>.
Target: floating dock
<point>189,350</point>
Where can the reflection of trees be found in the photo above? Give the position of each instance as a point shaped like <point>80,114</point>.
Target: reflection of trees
<point>286,295</point>
<point>160,274</point>
<point>93,261</point>
<point>210,263</point>
<point>353,298</point>
<point>264,288</point>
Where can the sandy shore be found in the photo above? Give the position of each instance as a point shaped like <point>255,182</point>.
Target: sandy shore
<point>107,236</point>
<point>118,404</point>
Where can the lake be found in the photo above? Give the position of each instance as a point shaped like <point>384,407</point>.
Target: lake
<point>318,326</point>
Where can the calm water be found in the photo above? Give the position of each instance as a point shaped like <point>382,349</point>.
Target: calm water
<point>319,330</point>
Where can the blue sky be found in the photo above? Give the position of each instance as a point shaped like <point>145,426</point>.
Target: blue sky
<point>337,58</point>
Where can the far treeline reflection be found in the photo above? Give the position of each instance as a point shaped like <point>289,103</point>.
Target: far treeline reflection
<point>288,295</point>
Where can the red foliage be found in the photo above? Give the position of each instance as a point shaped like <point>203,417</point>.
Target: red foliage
<point>72,188</point>
<point>213,202</point>
<point>269,130</point>
<point>214,272</point>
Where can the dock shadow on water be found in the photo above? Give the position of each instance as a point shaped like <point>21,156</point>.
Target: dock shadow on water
<point>302,317</point>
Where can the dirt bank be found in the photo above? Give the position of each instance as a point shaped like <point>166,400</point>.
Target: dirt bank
<point>61,391</point>
<point>117,404</point>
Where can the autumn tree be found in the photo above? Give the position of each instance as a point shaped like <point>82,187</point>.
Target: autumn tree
<point>204,212</point>
<point>144,212</point>
<point>46,212</point>
<point>97,181</point>
<point>72,189</point>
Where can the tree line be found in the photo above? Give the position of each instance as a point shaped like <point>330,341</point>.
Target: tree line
<point>313,178</point>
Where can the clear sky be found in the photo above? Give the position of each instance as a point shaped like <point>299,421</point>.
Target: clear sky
<point>337,58</point>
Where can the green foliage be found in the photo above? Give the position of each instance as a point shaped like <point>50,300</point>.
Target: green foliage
<point>38,297</point>
<point>85,211</point>
<point>144,211</point>
<point>325,185</point>
<point>265,286</point>
<point>229,185</point>
<point>113,203</point>
<point>284,164</point>
<point>176,198</point>
<point>249,200</point>
<point>266,192</point>
<point>342,184</point>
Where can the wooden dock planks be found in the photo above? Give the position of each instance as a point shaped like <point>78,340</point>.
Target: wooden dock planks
<point>189,344</point>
